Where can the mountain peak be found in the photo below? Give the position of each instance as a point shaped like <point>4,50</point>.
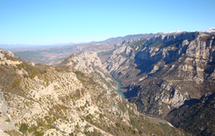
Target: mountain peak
<point>209,30</point>
<point>175,32</point>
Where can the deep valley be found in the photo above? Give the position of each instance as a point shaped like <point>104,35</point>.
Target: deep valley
<point>147,84</point>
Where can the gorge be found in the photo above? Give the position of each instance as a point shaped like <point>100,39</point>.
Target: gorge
<point>119,88</point>
<point>167,72</point>
<point>126,88</point>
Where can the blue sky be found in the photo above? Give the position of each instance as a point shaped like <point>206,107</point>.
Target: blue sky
<point>62,21</point>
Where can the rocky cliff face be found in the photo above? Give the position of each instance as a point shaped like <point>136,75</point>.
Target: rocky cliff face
<point>84,62</point>
<point>71,99</point>
<point>201,112</point>
<point>161,73</point>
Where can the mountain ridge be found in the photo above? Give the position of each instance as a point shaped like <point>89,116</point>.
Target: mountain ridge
<point>48,55</point>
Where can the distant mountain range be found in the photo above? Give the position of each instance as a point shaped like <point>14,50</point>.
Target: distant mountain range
<point>131,36</point>
<point>209,30</point>
<point>31,46</point>
<point>110,40</point>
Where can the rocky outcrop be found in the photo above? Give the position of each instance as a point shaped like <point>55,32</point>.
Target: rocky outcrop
<point>114,62</point>
<point>87,63</point>
<point>6,123</point>
<point>156,96</point>
<point>84,62</point>
<point>174,97</point>
<point>8,58</point>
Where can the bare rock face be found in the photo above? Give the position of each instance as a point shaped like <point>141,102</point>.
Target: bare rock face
<point>6,123</point>
<point>174,98</point>
<point>87,63</point>
<point>114,62</point>
<point>84,62</point>
<point>190,44</point>
<point>8,58</point>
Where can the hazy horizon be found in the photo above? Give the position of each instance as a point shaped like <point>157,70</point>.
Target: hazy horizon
<point>57,22</point>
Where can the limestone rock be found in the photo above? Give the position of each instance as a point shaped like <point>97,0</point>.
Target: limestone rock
<point>8,58</point>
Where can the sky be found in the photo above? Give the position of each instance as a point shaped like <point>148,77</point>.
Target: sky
<point>44,22</point>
